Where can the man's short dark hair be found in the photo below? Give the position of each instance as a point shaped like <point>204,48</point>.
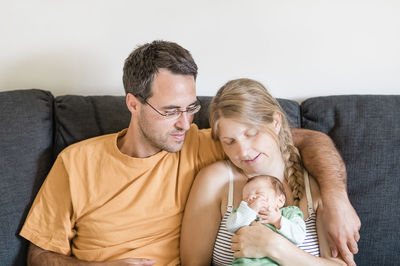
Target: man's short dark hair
<point>146,60</point>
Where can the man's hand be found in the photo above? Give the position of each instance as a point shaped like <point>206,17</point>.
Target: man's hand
<point>324,162</point>
<point>342,224</point>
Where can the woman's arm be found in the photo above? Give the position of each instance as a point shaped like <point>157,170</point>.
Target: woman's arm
<point>323,162</point>
<point>202,215</point>
<point>257,241</point>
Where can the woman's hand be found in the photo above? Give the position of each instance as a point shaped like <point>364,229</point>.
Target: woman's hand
<point>255,241</point>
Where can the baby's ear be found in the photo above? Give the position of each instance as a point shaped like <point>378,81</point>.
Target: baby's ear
<point>281,200</point>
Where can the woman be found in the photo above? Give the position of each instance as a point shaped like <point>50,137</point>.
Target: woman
<point>255,135</point>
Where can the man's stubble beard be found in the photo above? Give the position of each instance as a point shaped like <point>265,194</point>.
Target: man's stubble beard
<point>158,141</point>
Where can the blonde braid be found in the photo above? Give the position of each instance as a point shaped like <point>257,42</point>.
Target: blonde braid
<point>294,173</point>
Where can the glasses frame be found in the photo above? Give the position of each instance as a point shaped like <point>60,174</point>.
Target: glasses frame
<point>178,113</point>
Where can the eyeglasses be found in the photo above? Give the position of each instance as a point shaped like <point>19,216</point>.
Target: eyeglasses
<point>175,114</point>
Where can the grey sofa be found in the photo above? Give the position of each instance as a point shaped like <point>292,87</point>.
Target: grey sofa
<point>35,127</point>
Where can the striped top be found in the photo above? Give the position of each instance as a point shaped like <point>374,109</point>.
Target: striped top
<point>310,243</point>
<point>222,253</point>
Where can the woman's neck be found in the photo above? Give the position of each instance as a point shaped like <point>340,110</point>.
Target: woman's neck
<point>278,169</point>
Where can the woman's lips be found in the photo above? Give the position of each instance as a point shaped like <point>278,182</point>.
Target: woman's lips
<point>253,160</point>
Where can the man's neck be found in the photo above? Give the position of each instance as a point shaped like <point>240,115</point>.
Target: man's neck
<point>132,145</point>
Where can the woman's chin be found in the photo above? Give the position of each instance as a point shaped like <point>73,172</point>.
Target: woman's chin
<point>252,172</point>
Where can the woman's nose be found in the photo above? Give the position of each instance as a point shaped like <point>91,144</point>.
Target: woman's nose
<point>242,149</point>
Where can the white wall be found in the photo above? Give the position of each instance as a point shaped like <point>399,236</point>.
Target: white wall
<point>298,48</point>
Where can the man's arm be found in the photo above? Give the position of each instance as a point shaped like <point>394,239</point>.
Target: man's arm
<point>323,162</point>
<point>38,257</point>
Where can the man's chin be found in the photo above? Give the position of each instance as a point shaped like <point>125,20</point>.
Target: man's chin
<point>175,147</point>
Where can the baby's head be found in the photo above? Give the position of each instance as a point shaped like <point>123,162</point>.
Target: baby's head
<point>269,187</point>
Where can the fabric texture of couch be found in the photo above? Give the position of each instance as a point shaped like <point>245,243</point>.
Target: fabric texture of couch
<point>35,127</point>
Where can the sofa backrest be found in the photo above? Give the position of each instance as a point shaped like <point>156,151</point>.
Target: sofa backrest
<point>82,117</point>
<point>366,131</point>
<point>26,134</point>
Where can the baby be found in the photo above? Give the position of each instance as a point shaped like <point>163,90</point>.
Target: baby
<point>265,194</point>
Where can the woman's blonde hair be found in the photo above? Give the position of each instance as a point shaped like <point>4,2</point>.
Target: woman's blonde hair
<point>248,102</point>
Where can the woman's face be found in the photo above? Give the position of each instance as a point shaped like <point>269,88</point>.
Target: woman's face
<point>255,152</point>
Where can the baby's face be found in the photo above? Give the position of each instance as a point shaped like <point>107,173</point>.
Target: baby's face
<point>261,188</point>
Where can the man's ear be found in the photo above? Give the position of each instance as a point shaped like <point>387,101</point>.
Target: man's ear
<point>277,122</point>
<point>132,102</point>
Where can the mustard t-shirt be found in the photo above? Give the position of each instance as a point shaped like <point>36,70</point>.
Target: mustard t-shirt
<point>98,204</point>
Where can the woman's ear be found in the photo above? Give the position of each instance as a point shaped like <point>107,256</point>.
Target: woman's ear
<point>277,122</point>
<point>131,102</point>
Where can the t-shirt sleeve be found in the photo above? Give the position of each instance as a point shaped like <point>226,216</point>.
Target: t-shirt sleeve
<point>209,150</point>
<point>50,222</point>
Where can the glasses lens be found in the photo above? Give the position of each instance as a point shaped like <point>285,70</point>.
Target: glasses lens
<point>173,115</point>
<point>176,113</point>
<point>194,109</point>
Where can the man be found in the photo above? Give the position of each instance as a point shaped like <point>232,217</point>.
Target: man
<point>118,199</point>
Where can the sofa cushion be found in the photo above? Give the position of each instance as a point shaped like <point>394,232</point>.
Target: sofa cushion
<point>292,110</point>
<point>26,135</point>
<point>81,117</point>
<point>366,131</point>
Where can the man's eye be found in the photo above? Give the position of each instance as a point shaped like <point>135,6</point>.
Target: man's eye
<point>172,112</point>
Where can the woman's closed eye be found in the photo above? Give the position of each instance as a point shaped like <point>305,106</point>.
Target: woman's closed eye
<point>252,132</point>
<point>229,142</point>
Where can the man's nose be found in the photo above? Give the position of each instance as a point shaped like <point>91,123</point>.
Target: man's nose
<point>184,121</point>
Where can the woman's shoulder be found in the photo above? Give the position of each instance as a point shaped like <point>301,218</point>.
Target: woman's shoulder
<point>211,182</point>
<point>216,173</point>
<point>221,165</point>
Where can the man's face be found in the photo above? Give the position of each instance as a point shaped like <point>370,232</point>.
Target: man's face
<point>170,92</point>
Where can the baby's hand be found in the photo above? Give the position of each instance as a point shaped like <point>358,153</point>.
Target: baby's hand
<point>270,215</point>
<point>257,203</point>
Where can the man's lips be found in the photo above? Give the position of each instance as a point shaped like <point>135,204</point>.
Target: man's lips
<point>178,136</point>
